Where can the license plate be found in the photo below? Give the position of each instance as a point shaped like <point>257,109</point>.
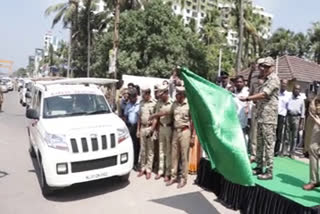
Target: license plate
<point>96,176</point>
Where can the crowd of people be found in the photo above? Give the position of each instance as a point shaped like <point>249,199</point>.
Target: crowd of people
<point>274,122</point>
<point>161,130</point>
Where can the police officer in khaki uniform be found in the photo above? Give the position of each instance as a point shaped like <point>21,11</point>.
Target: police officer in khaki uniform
<point>164,119</point>
<point>267,116</point>
<point>147,108</point>
<point>314,148</point>
<point>181,140</point>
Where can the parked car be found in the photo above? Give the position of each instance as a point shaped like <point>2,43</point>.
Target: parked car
<point>22,94</point>
<point>3,87</point>
<point>74,135</point>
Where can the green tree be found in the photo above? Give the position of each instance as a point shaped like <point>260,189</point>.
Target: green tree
<point>314,34</point>
<point>302,45</point>
<point>67,12</point>
<point>153,41</point>
<point>281,43</point>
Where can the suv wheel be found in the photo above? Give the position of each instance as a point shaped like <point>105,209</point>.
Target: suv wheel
<point>46,190</point>
<point>125,177</point>
<point>32,152</point>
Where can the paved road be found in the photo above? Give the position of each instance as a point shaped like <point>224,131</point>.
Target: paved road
<point>20,191</point>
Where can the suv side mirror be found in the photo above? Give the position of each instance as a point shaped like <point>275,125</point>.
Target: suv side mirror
<point>28,95</point>
<point>32,114</point>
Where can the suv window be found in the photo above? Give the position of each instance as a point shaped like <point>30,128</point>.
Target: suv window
<point>74,105</point>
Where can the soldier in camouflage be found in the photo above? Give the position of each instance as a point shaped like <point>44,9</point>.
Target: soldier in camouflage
<point>267,116</point>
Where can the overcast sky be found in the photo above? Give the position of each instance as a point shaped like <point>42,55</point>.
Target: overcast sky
<point>23,23</point>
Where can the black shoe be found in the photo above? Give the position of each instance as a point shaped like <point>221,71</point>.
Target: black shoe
<point>266,176</point>
<point>135,168</point>
<point>257,171</point>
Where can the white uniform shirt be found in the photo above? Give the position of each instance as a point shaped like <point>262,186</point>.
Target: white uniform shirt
<point>283,102</point>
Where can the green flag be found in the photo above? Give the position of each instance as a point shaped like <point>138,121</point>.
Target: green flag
<point>215,118</point>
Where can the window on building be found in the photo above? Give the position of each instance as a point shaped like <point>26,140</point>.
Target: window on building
<point>194,14</point>
<point>202,14</point>
<point>203,1</point>
<point>188,11</point>
<point>189,3</point>
<point>175,7</point>
<point>195,1</point>
<point>188,18</point>
<point>203,7</point>
<point>194,7</point>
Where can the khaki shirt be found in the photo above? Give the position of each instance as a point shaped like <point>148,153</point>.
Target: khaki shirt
<point>165,107</point>
<point>181,114</point>
<point>147,108</point>
<point>267,109</point>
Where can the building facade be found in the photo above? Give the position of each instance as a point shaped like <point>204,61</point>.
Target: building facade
<point>197,10</point>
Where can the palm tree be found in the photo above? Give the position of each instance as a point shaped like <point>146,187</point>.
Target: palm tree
<point>282,43</point>
<point>240,30</point>
<point>302,44</point>
<point>314,34</point>
<point>66,12</point>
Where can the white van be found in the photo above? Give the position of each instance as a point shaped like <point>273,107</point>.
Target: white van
<point>74,134</point>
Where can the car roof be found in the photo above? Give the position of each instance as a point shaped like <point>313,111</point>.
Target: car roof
<point>56,90</point>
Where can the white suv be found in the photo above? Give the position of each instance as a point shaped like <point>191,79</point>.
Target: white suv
<point>74,134</point>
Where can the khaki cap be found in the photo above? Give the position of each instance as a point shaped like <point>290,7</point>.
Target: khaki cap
<point>162,89</point>
<point>180,89</point>
<point>268,61</point>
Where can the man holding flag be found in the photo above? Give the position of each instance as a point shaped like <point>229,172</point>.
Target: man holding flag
<point>267,114</point>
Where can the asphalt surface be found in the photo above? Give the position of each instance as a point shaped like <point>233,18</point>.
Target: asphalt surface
<point>20,191</point>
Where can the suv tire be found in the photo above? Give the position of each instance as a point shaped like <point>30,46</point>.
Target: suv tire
<point>46,190</point>
<point>125,178</point>
<point>32,152</point>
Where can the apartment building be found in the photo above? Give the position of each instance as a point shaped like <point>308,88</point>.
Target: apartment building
<point>197,10</point>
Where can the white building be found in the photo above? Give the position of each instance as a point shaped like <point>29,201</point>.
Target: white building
<point>38,56</point>
<point>49,39</point>
<point>197,9</point>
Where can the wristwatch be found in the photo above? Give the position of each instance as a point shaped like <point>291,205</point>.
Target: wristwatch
<point>247,99</point>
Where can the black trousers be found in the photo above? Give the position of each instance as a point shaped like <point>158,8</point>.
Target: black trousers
<point>135,141</point>
<point>280,133</point>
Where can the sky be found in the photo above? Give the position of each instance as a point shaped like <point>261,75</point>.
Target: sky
<point>23,24</point>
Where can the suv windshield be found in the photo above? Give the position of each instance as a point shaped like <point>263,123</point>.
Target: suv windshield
<point>74,105</point>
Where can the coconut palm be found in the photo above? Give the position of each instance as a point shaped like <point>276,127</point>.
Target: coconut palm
<point>281,43</point>
<point>67,12</point>
<point>302,44</point>
<point>314,34</point>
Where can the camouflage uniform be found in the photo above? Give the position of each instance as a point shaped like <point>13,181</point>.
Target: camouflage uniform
<point>267,116</point>
<point>181,138</point>
<point>165,134</point>
<point>147,108</point>
<point>254,88</point>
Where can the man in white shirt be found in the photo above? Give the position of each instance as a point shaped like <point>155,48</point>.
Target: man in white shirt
<point>295,119</point>
<point>243,108</point>
<point>284,96</point>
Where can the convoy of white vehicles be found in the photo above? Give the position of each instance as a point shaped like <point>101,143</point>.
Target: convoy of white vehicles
<point>74,135</point>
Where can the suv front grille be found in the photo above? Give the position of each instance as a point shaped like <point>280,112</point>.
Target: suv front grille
<point>102,142</point>
<point>82,166</point>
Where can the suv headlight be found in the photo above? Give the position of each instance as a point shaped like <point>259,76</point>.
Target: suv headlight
<point>57,141</point>
<point>123,134</point>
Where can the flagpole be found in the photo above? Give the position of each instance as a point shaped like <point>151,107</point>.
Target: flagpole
<point>277,65</point>
<point>220,59</point>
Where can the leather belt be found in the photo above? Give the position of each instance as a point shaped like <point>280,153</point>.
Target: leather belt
<point>294,115</point>
<point>181,129</point>
<point>144,125</point>
<point>166,125</point>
